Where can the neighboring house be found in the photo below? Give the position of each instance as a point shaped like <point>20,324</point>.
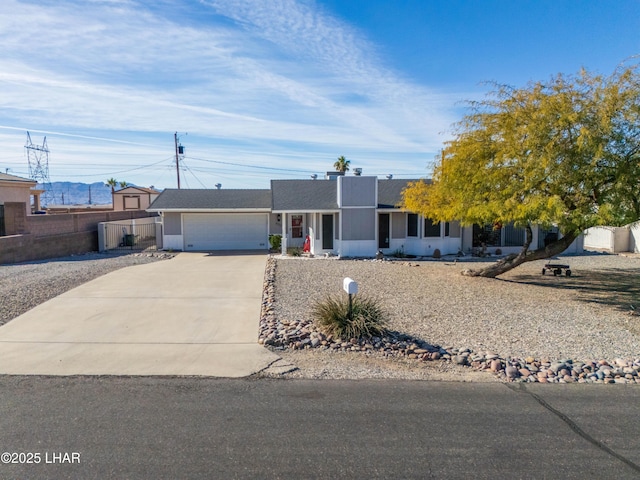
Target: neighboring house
<point>350,216</point>
<point>19,190</point>
<point>133,198</point>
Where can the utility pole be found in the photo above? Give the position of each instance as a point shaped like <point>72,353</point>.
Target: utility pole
<point>175,137</point>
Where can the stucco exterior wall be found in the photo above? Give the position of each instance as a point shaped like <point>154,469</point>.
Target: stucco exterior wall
<point>358,248</point>
<point>357,191</point>
<point>172,224</point>
<point>16,194</point>
<point>275,224</point>
<point>398,225</point>
<point>359,224</point>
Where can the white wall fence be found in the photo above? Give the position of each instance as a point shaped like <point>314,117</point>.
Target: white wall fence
<point>634,237</point>
<point>613,239</point>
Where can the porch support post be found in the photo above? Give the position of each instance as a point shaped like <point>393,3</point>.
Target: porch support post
<point>285,232</point>
<point>313,233</point>
<point>340,251</point>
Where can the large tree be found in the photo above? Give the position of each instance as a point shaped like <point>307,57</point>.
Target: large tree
<point>564,153</point>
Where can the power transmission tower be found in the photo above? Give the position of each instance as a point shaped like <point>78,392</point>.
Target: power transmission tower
<point>38,159</point>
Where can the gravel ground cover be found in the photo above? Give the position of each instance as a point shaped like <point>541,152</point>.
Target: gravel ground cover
<point>26,285</point>
<point>591,316</point>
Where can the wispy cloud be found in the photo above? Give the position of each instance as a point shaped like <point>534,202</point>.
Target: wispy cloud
<point>261,76</point>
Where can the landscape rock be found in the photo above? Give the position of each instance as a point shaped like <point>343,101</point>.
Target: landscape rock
<point>302,333</point>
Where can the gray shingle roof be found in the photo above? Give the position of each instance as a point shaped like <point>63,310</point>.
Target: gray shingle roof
<point>304,195</point>
<point>390,192</point>
<point>201,199</point>
<point>285,195</point>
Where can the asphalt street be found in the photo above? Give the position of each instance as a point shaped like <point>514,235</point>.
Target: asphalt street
<point>144,427</point>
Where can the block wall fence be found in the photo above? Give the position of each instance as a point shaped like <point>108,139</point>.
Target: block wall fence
<point>48,236</point>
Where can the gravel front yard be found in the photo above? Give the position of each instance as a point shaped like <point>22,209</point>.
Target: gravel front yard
<point>591,315</point>
<point>24,286</point>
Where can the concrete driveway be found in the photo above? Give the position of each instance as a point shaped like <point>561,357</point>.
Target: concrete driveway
<point>196,314</point>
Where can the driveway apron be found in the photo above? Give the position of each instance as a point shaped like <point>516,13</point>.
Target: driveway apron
<point>196,314</point>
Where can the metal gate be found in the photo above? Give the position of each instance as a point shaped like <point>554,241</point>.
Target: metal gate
<point>130,237</point>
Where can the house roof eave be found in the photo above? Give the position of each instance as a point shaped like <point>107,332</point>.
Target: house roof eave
<point>210,210</point>
<point>335,210</point>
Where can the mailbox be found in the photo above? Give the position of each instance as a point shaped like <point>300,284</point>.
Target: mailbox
<point>350,286</point>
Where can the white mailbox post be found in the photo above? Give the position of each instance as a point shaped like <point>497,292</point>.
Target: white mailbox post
<point>351,287</point>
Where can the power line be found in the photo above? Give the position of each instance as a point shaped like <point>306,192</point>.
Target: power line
<point>235,172</point>
<point>245,165</point>
<point>194,175</point>
<point>120,171</point>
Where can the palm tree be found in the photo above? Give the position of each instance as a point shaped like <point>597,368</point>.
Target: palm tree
<point>342,165</point>
<point>112,182</point>
<point>124,184</point>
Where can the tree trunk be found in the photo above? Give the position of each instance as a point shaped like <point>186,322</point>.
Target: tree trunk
<point>512,261</point>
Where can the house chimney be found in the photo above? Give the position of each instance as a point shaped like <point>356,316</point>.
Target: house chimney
<point>314,176</point>
<point>333,175</point>
<point>357,172</point>
<point>218,186</point>
<point>389,177</point>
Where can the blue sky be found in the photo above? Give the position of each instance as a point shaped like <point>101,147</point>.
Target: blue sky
<point>261,89</point>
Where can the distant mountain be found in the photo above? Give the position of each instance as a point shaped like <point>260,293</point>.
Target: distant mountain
<point>74,193</point>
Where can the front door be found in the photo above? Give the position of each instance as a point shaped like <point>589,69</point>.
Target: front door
<point>383,230</point>
<point>297,230</point>
<point>327,232</point>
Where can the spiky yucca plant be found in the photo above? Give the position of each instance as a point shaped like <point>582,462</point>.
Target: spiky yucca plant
<point>368,318</point>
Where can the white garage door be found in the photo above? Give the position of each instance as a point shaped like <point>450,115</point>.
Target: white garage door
<point>242,231</point>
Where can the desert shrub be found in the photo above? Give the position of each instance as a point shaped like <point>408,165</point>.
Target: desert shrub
<point>275,241</point>
<point>331,316</point>
<point>436,253</point>
<point>498,251</point>
<point>294,251</point>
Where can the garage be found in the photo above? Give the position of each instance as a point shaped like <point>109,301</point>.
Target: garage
<point>225,231</point>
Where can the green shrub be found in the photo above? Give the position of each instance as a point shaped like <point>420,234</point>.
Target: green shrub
<point>275,241</point>
<point>294,251</point>
<point>399,253</point>
<point>331,316</point>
